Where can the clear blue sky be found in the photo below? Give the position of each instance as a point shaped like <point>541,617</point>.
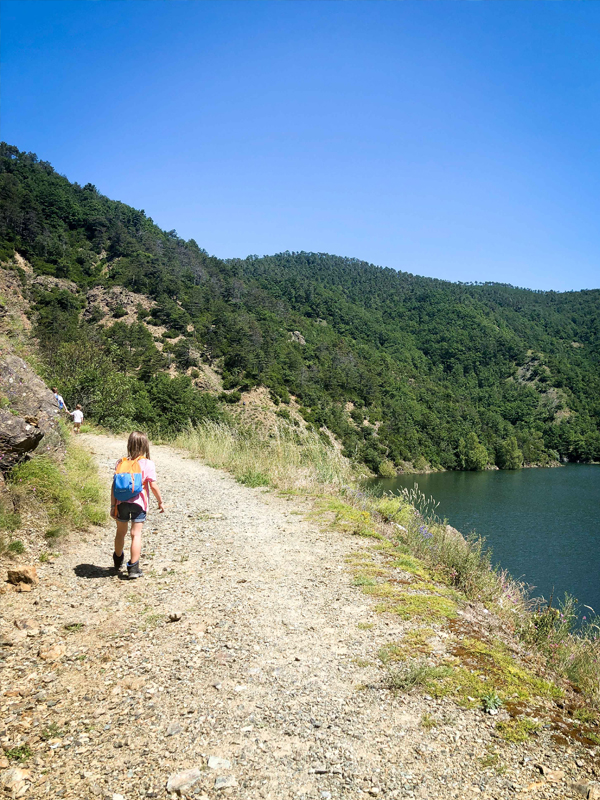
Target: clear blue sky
<point>452,139</point>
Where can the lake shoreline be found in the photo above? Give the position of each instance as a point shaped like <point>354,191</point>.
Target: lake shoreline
<point>540,524</point>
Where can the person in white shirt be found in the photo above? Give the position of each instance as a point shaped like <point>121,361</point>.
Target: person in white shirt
<point>61,403</point>
<point>77,417</point>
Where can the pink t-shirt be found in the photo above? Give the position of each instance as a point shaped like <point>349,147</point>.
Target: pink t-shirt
<point>148,475</point>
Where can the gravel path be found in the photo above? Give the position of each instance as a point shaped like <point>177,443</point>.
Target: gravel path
<point>266,684</point>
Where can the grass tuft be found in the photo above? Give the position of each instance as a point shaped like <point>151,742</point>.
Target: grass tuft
<point>414,673</point>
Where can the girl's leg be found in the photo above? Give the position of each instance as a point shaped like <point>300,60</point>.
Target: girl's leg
<point>136,541</point>
<point>120,536</point>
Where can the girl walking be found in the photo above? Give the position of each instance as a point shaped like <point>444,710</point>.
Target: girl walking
<point>134,510</point>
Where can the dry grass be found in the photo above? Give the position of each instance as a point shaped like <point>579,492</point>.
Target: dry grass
<point>282,458</point>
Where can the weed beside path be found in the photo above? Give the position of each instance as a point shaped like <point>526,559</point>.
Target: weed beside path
<point>276,663</point>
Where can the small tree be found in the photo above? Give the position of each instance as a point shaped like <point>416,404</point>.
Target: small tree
<point>509,455</point>
<point>472,455</point>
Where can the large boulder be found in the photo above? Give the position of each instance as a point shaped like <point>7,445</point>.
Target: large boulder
<point>28,411</point>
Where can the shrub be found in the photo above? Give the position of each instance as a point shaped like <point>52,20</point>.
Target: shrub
<point>387,469</point>
<point>230,397</point>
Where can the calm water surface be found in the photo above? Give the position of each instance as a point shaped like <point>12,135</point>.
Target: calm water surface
<point>543,525</point>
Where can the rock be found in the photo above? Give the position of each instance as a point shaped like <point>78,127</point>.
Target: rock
<point>175,616</point>
<point>12,638</point>
<point>118,797</point>
<point>594,791</point>
<point>551,775</point>
<point>174,728</point>
<point>296,336</point>
<point>225,782</point>
<point>24,574</point>
<point>48,282</point>
<point>24,587</point>
<point>320,769</point>
<point>26,624</point>
<point>182,781</point>
<point>214,762</point>
<point>15,781</point>
<point>134,683</point>
<point>581,788</point>
<point>31,414</point>
<point>52,653</point>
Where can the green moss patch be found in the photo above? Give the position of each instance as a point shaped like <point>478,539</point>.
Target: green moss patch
<point>518,730</point>
<point>429,607</point>
<point>412,565</point>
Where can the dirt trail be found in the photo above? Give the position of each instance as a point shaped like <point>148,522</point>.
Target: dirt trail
<point>267,668</point>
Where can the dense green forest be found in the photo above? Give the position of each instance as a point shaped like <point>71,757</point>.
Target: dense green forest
<point>449,375</point>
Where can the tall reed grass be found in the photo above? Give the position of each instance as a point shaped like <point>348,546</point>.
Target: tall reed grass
<point>282,457</point>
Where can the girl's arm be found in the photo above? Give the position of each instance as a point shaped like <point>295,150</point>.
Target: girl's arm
<point>156,492</point>
<point>113,504</point>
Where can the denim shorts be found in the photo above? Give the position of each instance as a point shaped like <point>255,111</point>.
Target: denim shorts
<point>130,512</point>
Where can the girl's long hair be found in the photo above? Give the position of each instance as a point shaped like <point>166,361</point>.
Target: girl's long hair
<point>138,445</point>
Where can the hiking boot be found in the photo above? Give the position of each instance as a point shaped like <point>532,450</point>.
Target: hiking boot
<point>133,570</point>
<point>118,561</point>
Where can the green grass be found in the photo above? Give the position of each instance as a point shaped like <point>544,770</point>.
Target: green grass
<point>52,732</point>
<point>68,494</point>
<point>63,491</point>
<point>414,673</point>
<point>428,722</point>
<point>363,580</point>
<point>9,520</point>
<point>253,478</point>
<point>20,754</point>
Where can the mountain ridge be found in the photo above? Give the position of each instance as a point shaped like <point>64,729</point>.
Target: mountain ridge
<point>447,375</point>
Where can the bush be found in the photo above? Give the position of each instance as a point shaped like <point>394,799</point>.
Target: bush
<point>230,397</point>
<point>387,469</point>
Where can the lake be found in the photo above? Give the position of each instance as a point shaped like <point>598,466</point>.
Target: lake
<point>543,525</point>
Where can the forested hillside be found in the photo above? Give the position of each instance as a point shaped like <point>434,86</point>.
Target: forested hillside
<point>400,368</point>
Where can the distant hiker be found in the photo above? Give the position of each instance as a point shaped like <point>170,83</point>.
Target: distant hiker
<point>77,417</point>
<point>129,499</point>
<point>60,401</point>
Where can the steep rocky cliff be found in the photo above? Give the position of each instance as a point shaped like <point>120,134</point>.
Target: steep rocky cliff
<point>28,412</point>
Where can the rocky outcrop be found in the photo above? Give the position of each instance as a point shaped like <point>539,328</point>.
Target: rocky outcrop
<point>102,303</point>
<point>296,336</point>
<point>47,283</point>
<point>28,411</point>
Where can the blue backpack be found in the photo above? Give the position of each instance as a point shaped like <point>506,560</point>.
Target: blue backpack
<point>127,480</point>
